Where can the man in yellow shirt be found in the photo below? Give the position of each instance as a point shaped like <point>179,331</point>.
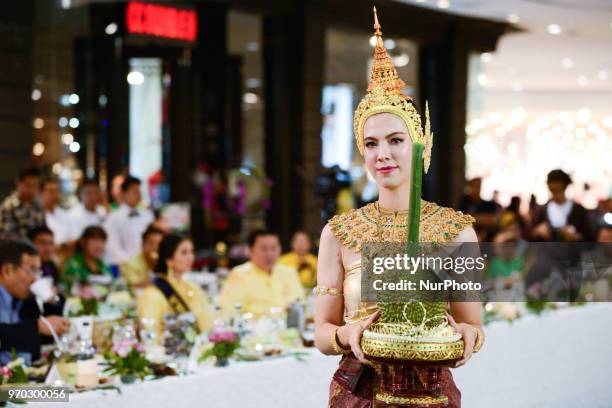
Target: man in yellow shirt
<point>262,284</point>
<point>301,259</point>
<point>137,270</point>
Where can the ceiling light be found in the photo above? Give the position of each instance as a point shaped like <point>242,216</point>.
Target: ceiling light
<point>38,123</point>
<point>36,94</point>
<point>67,138</point>
<point>250,98</point>
<point>483,80</point>
<point>38,149</point>
<point>389,44</point>
<point>74,123</point>
<point>443,4</point>
<point>554,29</point>
<point>65,100</point>
<point>513,18</point>
<point>73,99</point>
<point>111,29</point>
<point>74,147</point>
<point>567,63</point>
<point>582,80</point>
<point>402,60</point>
<point>135,78</point>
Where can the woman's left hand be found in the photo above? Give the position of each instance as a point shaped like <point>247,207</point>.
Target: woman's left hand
<point>468,334</point>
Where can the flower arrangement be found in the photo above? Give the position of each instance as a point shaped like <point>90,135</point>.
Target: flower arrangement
<point>127,359</point>
<point>224,344</point>
<point>82,306</point>
<point>13,372</point>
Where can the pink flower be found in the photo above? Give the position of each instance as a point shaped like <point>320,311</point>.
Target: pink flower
<point>219,336</point>
<point>139,348</point>
<point>6,372</point>
<point>121,351</point>
<point>87,292</point>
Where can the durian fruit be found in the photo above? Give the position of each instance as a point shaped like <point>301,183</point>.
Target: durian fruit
<point>413,312</point>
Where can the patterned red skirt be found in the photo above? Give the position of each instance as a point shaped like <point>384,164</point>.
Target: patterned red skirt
<point>354,385</point>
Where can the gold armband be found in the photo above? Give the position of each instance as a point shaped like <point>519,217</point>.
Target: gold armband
<point>325,290</point>
<point>338,349</point>
<point>479,339</point>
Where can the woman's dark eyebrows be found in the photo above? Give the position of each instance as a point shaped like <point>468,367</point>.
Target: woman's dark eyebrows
<point>394,134</point>
<point>386,137</point>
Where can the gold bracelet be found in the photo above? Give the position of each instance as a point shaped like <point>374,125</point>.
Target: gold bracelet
<point>324,290</point>
<point>479,339</point>
<point>338,349</point>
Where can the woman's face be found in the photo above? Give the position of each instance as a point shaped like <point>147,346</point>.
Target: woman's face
<point>388,150</point>
<point>182,260</point>
<point>94,247</point>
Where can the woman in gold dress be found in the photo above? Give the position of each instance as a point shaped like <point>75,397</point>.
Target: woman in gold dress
<point>395,147</point>
<point>170,294</point>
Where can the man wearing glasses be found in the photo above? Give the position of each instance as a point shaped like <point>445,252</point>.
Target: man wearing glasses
<point>21,321</point>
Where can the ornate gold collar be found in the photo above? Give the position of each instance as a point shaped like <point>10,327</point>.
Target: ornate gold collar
<point>373,224</point>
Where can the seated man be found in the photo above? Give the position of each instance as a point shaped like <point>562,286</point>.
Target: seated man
<point>21,323</point>
<point>137,270</point>
<point>261,284</point>
<point>301,259</point>
<point>42,238</point>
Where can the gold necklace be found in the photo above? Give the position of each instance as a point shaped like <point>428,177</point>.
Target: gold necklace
<point>393,225</point>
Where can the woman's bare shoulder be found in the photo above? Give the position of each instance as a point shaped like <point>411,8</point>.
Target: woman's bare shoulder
<point>468,234</point>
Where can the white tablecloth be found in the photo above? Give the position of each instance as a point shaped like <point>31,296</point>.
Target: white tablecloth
<point>560,359</point>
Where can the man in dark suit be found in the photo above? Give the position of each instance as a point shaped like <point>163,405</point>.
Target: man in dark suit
<point>566,223</point>
<point>561,219</point>
<point>21,321</point>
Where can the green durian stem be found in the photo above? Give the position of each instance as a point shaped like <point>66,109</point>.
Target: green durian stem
<point>414,216</point>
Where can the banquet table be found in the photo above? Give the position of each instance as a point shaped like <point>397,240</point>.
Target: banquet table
<point>561,358</point>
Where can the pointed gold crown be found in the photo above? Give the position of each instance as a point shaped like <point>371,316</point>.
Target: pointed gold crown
<point>385,95</point>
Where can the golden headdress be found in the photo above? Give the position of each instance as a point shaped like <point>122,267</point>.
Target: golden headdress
<point>385,95</point>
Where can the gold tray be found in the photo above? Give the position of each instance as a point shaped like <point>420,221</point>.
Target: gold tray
<point>389,341</point>
<point>409,350</point>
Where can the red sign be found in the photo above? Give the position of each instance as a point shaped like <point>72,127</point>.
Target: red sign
<point>161,21</point>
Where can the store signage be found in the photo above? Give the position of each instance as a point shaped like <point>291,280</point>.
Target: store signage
<point>167,22</point>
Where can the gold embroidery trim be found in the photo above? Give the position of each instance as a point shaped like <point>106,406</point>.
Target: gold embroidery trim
<point>428,400</point>
<point>335,395</point>
<point>410,350</point>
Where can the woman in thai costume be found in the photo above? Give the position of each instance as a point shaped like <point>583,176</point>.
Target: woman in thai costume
<point>395,147</point>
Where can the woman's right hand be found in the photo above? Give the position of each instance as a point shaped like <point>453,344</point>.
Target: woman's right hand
<point>350,335</point>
